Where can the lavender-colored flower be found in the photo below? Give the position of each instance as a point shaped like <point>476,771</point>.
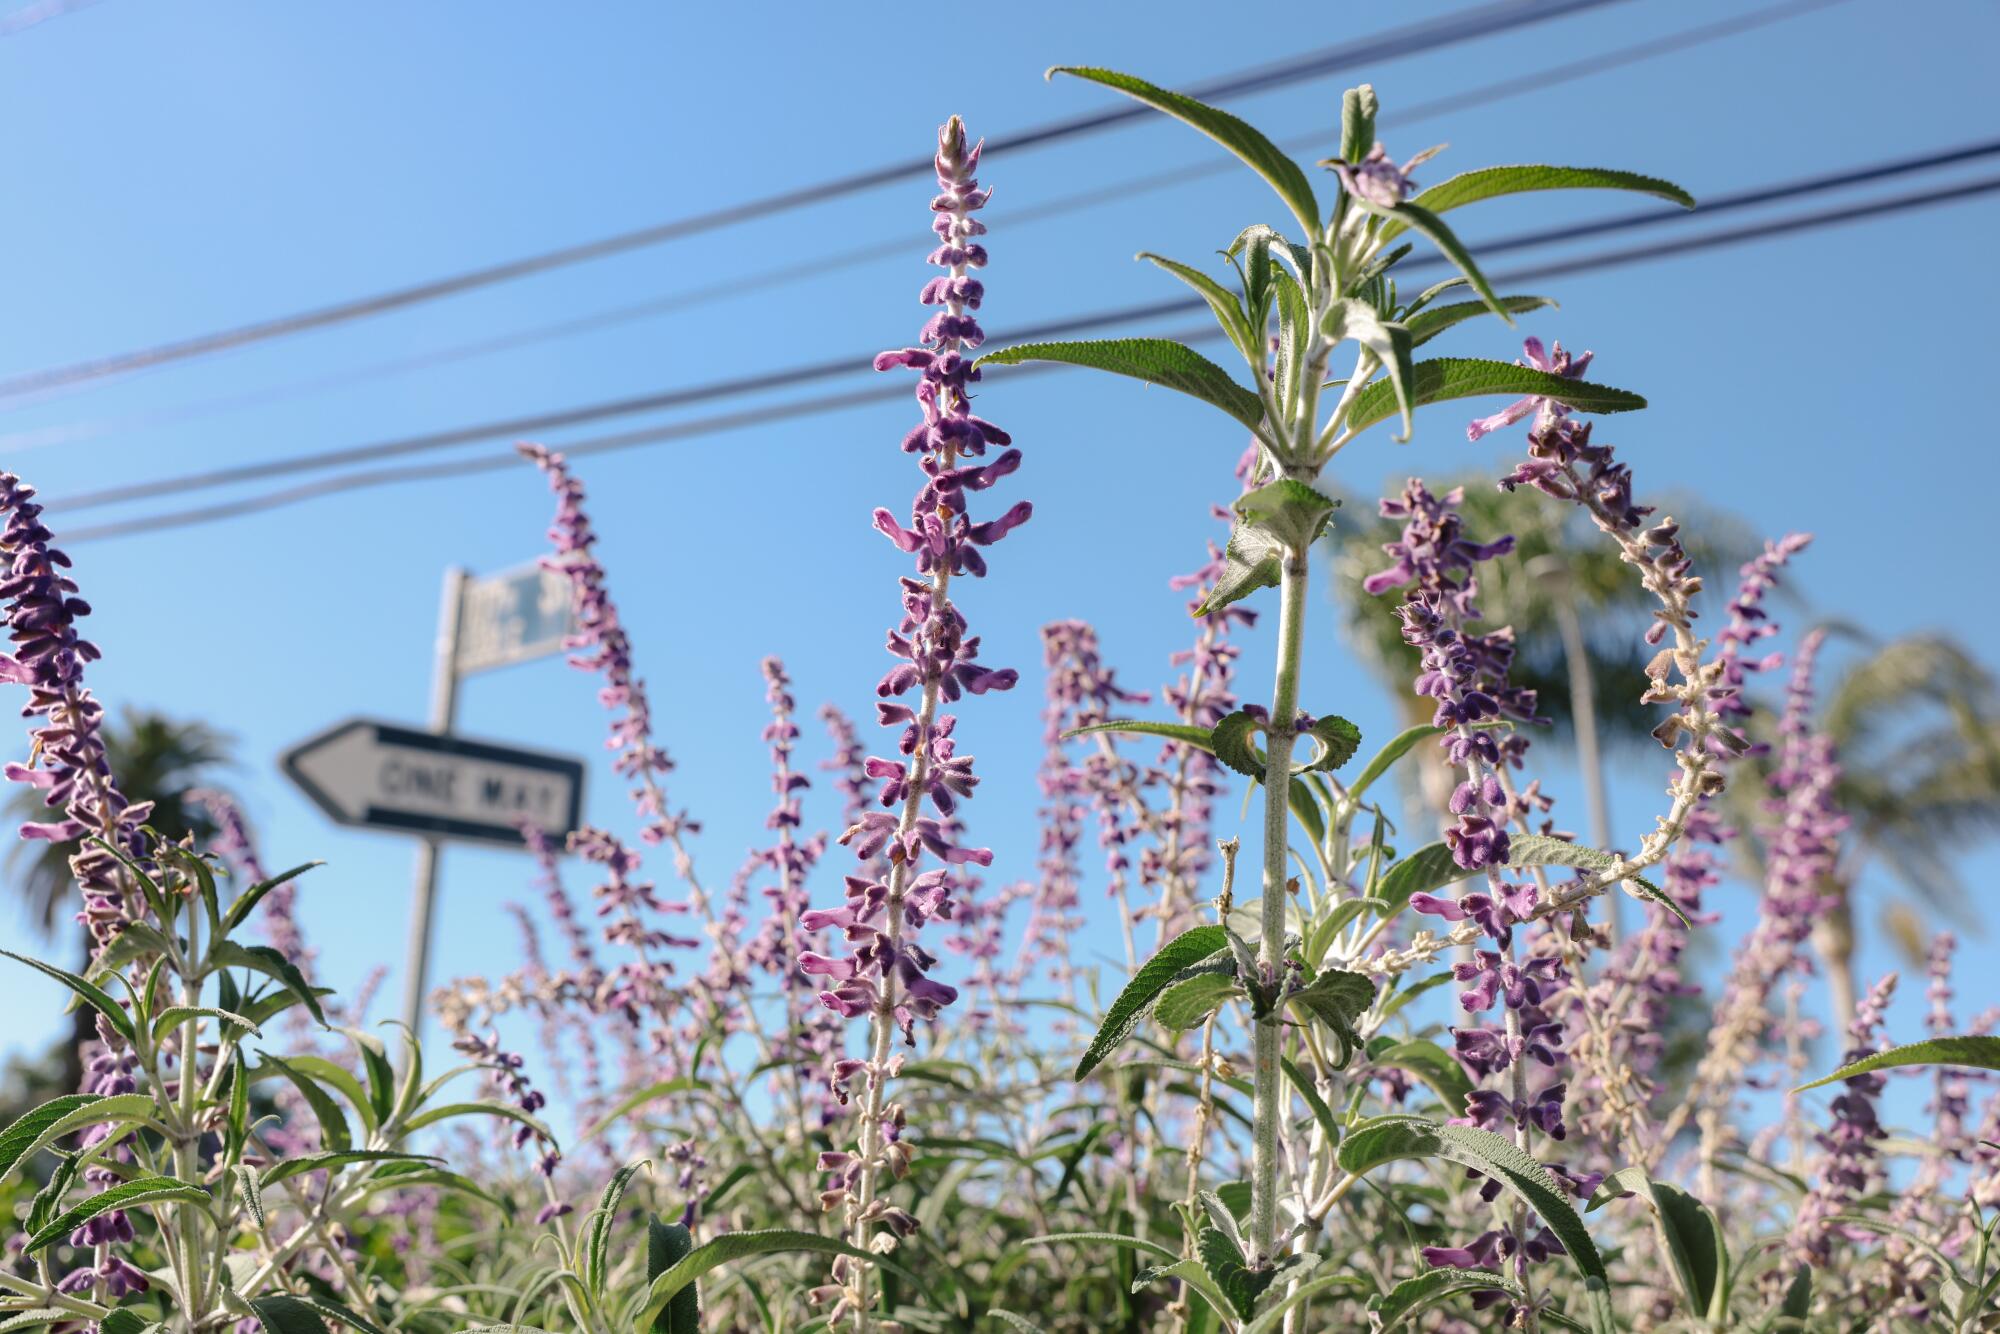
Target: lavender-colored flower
<point>1558,362</point>
<point>1377,179</point>
<point>1849,1167</point>
<point>1466,673</point>
<point>883,972</point>
<point>1200,697</point>
<point>600,645</point>
<point>507,1077</point>
<point>67,761</point>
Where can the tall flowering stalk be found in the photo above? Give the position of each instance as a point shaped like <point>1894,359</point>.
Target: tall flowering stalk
<point>1804,853</point>
<point>884,974</point>
<point>67,764</point>
<point>1333,286</point>
<point>66,758</point>
<point>1465,669</point>
<point>1634,994</point>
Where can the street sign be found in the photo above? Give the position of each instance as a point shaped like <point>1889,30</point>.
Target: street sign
<point>511,617</point>
<point>382,776</point>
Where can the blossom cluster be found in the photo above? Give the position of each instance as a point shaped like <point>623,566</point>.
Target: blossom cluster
<point>884,973</point>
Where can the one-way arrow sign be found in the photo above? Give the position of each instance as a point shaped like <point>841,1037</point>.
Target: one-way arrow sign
<point>377,774</point>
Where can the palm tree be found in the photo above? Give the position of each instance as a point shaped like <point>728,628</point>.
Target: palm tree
<point>1917,724</point>
<point>1562,584</point>
<point>156,759</point>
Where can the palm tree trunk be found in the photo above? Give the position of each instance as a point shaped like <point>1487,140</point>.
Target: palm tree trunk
<point>1833,939</point>
<point>83,1024</point>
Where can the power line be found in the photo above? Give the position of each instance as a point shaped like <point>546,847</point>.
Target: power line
<point>785,275</point>
<point>1486,20</point>
<point>809,407</point>
<point>814,372</point>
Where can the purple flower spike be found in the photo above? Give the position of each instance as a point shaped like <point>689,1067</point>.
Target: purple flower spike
<point>881,972</point>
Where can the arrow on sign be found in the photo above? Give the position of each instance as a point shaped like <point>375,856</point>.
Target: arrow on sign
<point>382,776</point>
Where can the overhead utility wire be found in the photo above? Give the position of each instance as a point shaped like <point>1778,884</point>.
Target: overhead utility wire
<point>1411,39</point>
<point>844,365</point>
<point>813,406</point>
<point>838,261</point>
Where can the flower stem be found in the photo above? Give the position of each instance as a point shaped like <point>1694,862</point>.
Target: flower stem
<point>1268,1080</point>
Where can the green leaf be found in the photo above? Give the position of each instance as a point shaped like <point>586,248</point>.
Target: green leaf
<point>1160,971</point>
<point>1258,153</point>
<point>1390,1138</point>
<point>1314,1102</point>
<point>287,1168</point>
<point>124,1195</point>
<point>333,1130</point>
<point>124,1320</point>
<point>1159,361</point>
<point>733,1246</point>
<point>1339,739</point>
<point>113,1012</point>
<point>263,959</point>
<point>1428,324</point>
<point>634,1101</point>
<point>50,1197</point>
<point>1491,182</point>
<point>402,1176</point>
<point>1228,310</point>
<point>135,940</point>
<point>435,1114</point>
<point>381,1074</point>
<point>1689,1234</point>
<point>1187,735</point>
<point>1231,743</point>
<point>667,1244</point>
<point>342,1080</point>
<point>1541,850</point>
<point>1239,1285</point>
<point>1390,342</point>
<point>282,1313</point>
<point>174,1016</point>
<point>1444,378</point>
<point>1358,107</point>
<point>1338,998</point>
<point>252,1192</point>
<point>1414,1295</point>
<point>1289,510</point>
<point>1117,1239</point>
<point>1190,1274</point>
<point>1014,1322</point>
<point>1435,1066</point>
<point>597,1228</point>
<point>1798,1295</point>
<point>247,901</point>
<point>1433,229</point>
<point>46,1124</point>
<point>1429,867</point>
<point>1285,516</point>
<point>267,1007</point>
<point>1397,747</point>
<point>1978,1053</point>
<point>1252,560</point>
<point>334,1311</point>
<point>1188,1003</point>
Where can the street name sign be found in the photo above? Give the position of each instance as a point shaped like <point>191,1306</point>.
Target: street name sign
<point>382,776</point>
<point>511,617</point>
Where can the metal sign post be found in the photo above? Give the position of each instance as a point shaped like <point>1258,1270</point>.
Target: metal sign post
<point>438,786</point>
<point>444,715</point>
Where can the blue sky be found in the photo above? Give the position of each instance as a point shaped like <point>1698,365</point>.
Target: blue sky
<point>173,169</point>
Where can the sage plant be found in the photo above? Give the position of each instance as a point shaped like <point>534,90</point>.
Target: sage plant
<point>1329,290</point>
<point>884,976</point>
